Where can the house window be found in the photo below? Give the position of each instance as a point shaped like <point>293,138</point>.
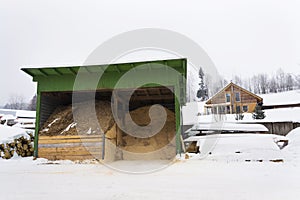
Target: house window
<point>245,108</point>
<point>237,96</point>
<point>238,109</point>
<point>227,97</point>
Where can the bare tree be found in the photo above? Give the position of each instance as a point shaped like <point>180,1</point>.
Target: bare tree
<point>16,102</point>
<point>273,85</point>
<point>298,81</point>
<point>289,82</point>
<point>255,84</point>
<point>237,80</point>
<point>263,83</point>
<point>280,76</point>
<point>225,82</point>
<point>32,103</point>
<point>246,84</point>
<point>209,85</point>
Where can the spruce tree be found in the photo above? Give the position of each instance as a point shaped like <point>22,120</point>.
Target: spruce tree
<point>202,93</point>
<point>258,112</point>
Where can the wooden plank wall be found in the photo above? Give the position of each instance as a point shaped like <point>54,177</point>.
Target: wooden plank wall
<point>69,147</point>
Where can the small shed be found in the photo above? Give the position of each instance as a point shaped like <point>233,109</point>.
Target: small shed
<point>151,82</point>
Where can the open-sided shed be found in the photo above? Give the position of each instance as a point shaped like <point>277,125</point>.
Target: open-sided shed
<point>154,82</point>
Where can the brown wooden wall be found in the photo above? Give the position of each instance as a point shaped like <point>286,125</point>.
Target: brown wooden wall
<point>219,98</point>
<point>69,147</point>
<point>245,97</point>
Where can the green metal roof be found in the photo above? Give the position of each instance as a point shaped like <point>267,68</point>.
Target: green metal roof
<point>177,64</point>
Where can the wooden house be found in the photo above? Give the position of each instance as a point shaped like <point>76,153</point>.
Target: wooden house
<point>232,99</point>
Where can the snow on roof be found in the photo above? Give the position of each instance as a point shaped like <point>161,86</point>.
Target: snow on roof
<point>8,133</point>
<point>25,113</point>
<point>272,115</point>
<point>293,147</point>
<point>6,117</point>
<point>19,113</point>
<point>282,98</point>
<point>230,127</point>
<point>235,147</point>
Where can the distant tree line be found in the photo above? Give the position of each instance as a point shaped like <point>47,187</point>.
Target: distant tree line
<point>17,102</point>
<point>265,83</point>
<point>261,83</point>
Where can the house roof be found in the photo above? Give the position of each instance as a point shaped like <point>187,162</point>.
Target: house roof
<point>234,85</point>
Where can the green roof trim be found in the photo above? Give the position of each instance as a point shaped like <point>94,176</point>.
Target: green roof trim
<point>178,64</point>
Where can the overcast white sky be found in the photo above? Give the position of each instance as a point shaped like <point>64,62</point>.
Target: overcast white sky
<point>241,37</point>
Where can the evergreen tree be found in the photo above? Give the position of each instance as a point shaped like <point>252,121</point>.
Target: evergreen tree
<point>258,112</point>
<point>202,93</point>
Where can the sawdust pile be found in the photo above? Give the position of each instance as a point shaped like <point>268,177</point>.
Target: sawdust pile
<point>61,122</point>
<point>124,146</point>
<point>160,146</point>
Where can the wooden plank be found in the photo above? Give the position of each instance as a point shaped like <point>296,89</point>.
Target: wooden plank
<point>68,137</point>
<point>70,149</point>
<point>68,145</point>
<point>73,153</point>
<point>73,158</point>
<point>71,141</point>
<point>46,155</point>
<point>68,153</point>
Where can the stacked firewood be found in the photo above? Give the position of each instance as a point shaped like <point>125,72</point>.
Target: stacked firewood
<point>22,146</point>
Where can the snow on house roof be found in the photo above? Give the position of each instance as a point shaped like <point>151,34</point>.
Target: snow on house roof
<point>282,98</point>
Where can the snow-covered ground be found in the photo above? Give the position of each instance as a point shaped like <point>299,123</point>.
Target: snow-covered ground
<point>231,166</point>
<point>272,115</point>
<point>192,179</point>
<point>289,97</point>
<point>220,175</point>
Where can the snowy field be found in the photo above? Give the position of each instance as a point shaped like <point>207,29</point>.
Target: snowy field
<point>224,174</point>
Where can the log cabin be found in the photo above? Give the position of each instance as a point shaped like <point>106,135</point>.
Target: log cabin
<point>232,99</point>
